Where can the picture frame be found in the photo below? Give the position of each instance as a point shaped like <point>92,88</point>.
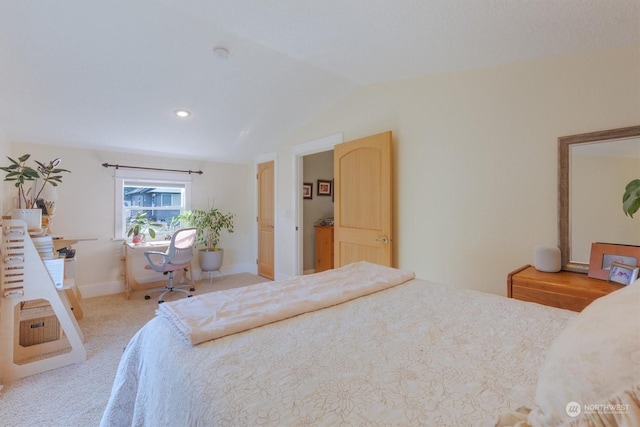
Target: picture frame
<point>307,190</point>
<point>623,274</point>
<point>603,255</point>
<point>324,187</point>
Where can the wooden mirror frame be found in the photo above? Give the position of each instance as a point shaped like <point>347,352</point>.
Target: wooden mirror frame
<point>564,145</point>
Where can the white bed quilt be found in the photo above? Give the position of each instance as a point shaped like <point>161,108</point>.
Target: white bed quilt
<point>416,354</point>
<point>217,314</point>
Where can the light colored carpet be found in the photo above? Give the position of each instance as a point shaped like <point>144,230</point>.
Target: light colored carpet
<point>76,395</point>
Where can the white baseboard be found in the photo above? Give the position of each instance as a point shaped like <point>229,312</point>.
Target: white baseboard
<point>226,270</point>
<point>117,287</point>
<point>100,289</point>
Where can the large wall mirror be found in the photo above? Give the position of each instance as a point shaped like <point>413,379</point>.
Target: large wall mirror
<point>593,170</point>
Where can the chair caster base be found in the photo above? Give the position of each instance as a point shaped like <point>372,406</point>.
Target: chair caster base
<point>189,296</point>
<point>161,301</point>
<point>147,297</point>
<point>192,289</point>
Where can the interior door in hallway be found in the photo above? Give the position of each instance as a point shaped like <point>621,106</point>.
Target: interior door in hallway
<point>265,218</point>
<point>363,202</point>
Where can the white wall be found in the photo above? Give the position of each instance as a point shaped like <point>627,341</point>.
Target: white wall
<point>476,157</point>
<point>85,208</point>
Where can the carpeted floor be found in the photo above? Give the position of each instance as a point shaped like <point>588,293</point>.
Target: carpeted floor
<point>76,395</point>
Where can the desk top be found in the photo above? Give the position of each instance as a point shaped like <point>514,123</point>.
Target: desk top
<point>61,242</point>
<point>151,244</point>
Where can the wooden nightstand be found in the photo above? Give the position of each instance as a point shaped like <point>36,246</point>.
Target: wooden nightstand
<point>571,291</point>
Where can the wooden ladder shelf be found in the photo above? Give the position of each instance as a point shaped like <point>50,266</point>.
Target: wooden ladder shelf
<point>24,278</point>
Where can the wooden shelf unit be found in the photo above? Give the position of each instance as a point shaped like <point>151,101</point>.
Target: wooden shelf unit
<point>571,291</point>
<point>25,279</point>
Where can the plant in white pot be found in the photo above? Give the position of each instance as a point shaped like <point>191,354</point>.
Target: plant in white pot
<point>20,173</point>
<point>209,224</point>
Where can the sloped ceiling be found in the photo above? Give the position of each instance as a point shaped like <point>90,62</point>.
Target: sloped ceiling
<point>110,74</point>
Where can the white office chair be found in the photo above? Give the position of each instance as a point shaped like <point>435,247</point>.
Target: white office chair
<point>177,257</point>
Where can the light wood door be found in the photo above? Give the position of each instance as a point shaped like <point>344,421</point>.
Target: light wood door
<point>266,229</point>
<point>363,203</point>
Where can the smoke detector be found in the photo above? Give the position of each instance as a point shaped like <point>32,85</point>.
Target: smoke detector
<point>221,52</point>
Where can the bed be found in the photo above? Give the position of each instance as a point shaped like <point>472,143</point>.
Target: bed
<point>408,353</point>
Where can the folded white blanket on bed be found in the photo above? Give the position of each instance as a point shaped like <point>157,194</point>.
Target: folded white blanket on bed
<point>217,314</point>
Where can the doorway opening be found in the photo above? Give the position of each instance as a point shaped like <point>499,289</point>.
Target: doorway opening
<point>317,212</point>
<point>305,222</point>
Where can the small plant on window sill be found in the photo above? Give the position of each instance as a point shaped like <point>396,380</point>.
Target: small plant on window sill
<point>139,226</point>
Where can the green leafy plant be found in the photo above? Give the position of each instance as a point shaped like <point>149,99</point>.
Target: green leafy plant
<point>631,198</point>
<point>140,225</point>
<point>21,173</point>
<point>208,223</point>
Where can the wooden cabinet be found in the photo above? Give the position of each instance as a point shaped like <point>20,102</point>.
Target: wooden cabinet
<point>571,291</point>
<point>324,248</point>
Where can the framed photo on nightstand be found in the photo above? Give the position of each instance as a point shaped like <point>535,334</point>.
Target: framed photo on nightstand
<point>623,274</point>
<point>603,255</point>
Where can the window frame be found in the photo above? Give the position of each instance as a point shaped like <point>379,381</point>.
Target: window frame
<point>141,177</point>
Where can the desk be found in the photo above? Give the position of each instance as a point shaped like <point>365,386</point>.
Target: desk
<point>71,290</point>
<point>130,249</point>
<point>73,295</point>
<point>61,242</point>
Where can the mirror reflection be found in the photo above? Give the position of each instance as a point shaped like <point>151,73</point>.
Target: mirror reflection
<point>599,172</point>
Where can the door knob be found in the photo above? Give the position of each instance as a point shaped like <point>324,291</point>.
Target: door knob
<point>383,239</point>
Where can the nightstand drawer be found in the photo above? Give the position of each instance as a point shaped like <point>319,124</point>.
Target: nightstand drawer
<point>570,291</point>
<point>531,294</point>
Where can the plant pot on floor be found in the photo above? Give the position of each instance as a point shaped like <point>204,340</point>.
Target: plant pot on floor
<point>211,260</point>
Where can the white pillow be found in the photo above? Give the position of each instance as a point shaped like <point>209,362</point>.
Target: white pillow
<point>591,374</point>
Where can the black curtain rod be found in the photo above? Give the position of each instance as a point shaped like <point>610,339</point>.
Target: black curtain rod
<point>107,165</point>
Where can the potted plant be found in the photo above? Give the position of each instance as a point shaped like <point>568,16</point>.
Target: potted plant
<point>21,173</point>
<point>631,198</point>
<point>139,226</point>
<point>209,224</point>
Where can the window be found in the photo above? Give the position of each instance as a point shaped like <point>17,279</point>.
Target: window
<point>161,195</point>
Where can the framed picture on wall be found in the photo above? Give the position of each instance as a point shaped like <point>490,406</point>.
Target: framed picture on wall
<point>307,190</point>
<point>324,187</point>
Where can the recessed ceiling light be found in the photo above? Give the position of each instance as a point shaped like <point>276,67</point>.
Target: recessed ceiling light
<point>182,113</point>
